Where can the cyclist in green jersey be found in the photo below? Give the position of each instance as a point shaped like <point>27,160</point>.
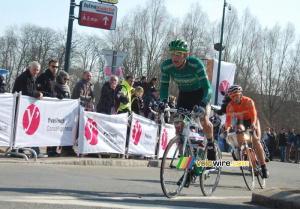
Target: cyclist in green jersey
<point>194,88</point>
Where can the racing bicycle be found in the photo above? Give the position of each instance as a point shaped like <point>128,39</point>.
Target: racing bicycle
<point>179,163</point>
<point>247,153</point>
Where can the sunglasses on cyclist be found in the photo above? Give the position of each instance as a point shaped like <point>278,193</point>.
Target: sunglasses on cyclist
<point>176,53</point>
<point>234,95</point>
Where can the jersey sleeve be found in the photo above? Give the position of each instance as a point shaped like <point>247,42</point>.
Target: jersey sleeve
<point>229,112</point>
<point>252,111</point>
<point>204,82</point>
<point>164,87</point>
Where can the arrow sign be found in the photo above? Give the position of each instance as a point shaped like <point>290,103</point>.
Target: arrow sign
<point>94,14</point>
<point>105,20</point>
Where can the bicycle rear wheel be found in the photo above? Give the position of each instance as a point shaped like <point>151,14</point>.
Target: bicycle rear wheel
<point>170,176</point>
<point>210,176</point>
<point>247,171</point>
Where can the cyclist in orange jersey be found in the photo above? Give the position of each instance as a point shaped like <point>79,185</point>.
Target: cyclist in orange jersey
<point>245,112</point>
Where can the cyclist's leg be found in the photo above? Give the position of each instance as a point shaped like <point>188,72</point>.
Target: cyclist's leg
<point>208,131</point>
<point>260,151</point>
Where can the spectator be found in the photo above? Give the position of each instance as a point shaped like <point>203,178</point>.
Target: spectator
<point>141,83</point>
<point>148,86</point>
<point>3,86</point>
<point>297,147</point>
<point>62,88</point>
<point>266,136</point>
<point>46,84</point>
<point>282,138</point>
<point>137,104</point>
<point>84,90</point>
<point>109,101</point>
<point>225,102</point>
<point>125,105</point>
<point>272,143</point>
<point>290,141</point>
<point>150,102</point>
<point>26,83</point>
<point>216,121</point>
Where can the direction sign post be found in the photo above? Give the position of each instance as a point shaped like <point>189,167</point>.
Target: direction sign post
<point>114,59</point>
<point>97,15</point>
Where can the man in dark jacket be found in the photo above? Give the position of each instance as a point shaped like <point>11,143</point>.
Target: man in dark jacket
<point>3,86</point>
<point>46,84</point>
<point>282,138</point>
<point>150,101</point>
<point>109,101</point>
<point>149,85</point>
<point>84,90</point>
<point>272,143</point>
<point>26,83</point>
<point>290,141</point>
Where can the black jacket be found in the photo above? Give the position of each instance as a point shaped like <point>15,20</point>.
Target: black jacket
<point>225,102</point>
<point>108,99</point>
<point>46,84</point>
<point>3,86</point>
<point>27,84</point>
<point>150,102</point>
<point>137,105</point>
<point>282,139</point>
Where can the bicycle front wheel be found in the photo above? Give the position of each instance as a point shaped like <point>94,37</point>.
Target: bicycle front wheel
<point>210,176</point>
<point>247,171</point>
<point>259,175</point>
<point>172,179</point>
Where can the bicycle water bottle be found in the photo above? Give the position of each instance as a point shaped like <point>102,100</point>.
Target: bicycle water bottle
<point>200,151</point>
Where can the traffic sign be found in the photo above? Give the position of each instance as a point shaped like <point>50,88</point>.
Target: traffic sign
<point>114,58</point>
<point>97,15</point>
<point>110,1</point>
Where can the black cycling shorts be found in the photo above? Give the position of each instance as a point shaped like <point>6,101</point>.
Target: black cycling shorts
<point>188,100</point>
<point>245,123</point>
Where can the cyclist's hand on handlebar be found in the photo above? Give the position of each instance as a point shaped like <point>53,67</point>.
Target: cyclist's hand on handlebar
<point>199,111</point>
<point>225,134</point>
<point>253,127</point>
<point>162,105</point>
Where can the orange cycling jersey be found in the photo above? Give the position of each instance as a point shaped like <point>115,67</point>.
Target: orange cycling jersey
<point>244,111</point>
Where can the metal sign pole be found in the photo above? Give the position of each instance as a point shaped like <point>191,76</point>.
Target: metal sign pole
<point>69,35</point>
<point>114,62</point>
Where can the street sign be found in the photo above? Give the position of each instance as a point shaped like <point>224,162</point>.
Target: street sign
<point>114,58</point>
<point>110,1</point>
<point>97,15</point>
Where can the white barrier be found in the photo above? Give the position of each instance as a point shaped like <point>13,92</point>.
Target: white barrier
<point>46,122</point>
<point>167,132</point>
<point>102,133</point>
<point>7,115</point>
<point>142,137</point>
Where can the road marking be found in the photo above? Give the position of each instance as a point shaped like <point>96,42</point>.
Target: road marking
<point>107,201</point>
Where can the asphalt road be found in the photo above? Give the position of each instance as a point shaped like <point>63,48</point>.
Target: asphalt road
<point>38,186</point>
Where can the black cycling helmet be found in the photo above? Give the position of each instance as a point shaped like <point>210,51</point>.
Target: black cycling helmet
<point>179,45</point>
<point>235,89</point>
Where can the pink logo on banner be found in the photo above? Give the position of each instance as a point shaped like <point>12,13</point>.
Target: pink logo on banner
<point>164,139</point>
<point>136,132</point>
<point>91,131</point>
<point>224,85</point>
<point>31,119</point>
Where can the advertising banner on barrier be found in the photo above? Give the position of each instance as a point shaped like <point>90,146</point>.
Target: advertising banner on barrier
<point>46,122</point>
<point>142,138</point>
<point>7,115</point>
<point>102,133</point>
<point>167,132</point>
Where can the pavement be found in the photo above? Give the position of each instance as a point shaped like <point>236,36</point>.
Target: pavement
<point>287,198</point>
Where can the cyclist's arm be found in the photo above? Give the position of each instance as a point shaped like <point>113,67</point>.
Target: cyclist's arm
<point>205,85</point>
<point>252,111</point>
<point>164,87</point>
<point>229,112</point>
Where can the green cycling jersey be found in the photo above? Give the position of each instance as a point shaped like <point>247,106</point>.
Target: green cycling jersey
<point>191,78</point>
